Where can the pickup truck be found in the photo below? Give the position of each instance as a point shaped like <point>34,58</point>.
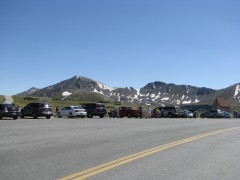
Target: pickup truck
<point>128,112</point>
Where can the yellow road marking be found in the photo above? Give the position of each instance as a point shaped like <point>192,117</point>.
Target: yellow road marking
<point>112,164</point>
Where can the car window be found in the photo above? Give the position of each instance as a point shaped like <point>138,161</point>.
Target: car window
<point>178,109</point>
<point>76,107</point>
<point>47,109</point>
<point>65,108</point>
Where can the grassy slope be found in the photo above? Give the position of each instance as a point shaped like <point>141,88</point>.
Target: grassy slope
<point>1,99</point>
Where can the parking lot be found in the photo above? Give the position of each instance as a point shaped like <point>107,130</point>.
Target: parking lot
<point>57,147</point>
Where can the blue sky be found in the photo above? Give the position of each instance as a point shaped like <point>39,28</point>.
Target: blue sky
<point>119,43</point>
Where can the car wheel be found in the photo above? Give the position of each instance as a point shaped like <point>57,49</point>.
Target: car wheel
<point>170,115</point>
<point>34,116</point>
<point>101,116</point>
<point>48,117</point>
<point>70,115</point>
<point>82,116</point>
<point>0,116</point>
<point>129,115</point>
<point>214,116</point>
<point>21,115</point>
<point>15,117</point>
<point>59,115</point>
<point>89,115</point>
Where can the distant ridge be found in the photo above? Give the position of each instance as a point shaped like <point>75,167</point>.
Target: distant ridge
<point>28,92</point>
<point>79,88</point>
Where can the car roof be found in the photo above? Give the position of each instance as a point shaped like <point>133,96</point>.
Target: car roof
<point>5,104</point>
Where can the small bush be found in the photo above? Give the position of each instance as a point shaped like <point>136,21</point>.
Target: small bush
<point>30,98</point>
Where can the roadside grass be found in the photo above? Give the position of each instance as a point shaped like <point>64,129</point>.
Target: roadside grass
<point>1,99</point>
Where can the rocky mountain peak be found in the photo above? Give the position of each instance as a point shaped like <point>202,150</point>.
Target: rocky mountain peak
<point>155,92</point>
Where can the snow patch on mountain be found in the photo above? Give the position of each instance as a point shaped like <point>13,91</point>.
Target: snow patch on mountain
<point>152,95</point>
<point>196,101</point>
<point>187,102</point>
<point>104,86</point>
<point>183,97</point>
<point>66,94</point>
<point>237,90</point>
<point>156,97</point>
<point>165,99</point>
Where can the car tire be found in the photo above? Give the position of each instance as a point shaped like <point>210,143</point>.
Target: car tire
<point>129,115</point>
<point>34,115</point>
<point>21,115</point>
<point>214,116</point>
<point>89,115</point>
<point>48,117</point>
<point>169,115</point>
<point>15,117</point>
<point>101,116</point>
<point>70,115</point>
<point>59,115</point>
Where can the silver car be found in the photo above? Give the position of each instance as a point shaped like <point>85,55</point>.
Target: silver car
<point>187,114</point>
<point>72,111</point>
<point>213,113</point>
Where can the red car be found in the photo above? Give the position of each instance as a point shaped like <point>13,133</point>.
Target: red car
<point>128,112</point>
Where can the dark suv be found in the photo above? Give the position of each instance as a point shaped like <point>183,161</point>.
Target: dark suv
<point>8,110</point>
<point>36,110</point>
<point>95,109</point>
<point>172,111</point>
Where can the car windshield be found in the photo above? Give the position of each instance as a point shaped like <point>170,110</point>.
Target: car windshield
<point>47,109</point>
<point>178,109</point>
<point>44,105</point>
<point>77,107</point>
<point>9,106</point>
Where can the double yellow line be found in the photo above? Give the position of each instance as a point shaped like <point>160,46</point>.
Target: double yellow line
<point>112,164</point>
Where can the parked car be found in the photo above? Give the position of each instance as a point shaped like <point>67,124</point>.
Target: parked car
<point>195,113</point>
<point>227,114</point>
<point>172,111</point>
<point>8,110</point>
<point>213,113</point>
<point>95,109</point>
<point>157,112</point>
<point>37,110</point>
<point>187,114</point>
<point>128,112</point>
<point>112,113</point>
<point>72,111</point>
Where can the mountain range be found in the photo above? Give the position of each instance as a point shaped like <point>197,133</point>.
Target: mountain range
<point>82,88</point>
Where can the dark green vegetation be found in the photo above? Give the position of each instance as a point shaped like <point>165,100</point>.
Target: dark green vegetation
<point>1,99</point>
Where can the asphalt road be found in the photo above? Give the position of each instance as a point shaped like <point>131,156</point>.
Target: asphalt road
<point>41,149</point>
